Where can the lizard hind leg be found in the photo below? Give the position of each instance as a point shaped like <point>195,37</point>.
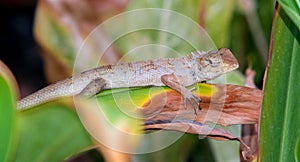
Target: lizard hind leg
<point>94,87</point>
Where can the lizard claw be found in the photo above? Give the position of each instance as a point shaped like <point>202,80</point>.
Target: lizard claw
<point>193,89</point>
<point>193,99</point>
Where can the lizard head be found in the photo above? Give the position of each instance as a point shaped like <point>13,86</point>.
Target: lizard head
<point>218,62</point>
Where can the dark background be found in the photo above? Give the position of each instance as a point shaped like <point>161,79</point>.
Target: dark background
<point>18,49</point>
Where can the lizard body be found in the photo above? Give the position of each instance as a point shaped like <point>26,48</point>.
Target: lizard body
<point>175,73</point>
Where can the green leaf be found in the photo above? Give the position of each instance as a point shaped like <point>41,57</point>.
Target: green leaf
<point>50,133</point>
<point>297,150</point>
<point>7,114</point>
<point>280,116</point>
<point>292,9</point>
<point>54,37</point>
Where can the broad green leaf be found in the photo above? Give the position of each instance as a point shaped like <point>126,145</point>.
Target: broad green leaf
<point>280,116</point>
<point>217,15</point>
<point>50,133</point>
<point>292,9</point>
<point>8,97</point>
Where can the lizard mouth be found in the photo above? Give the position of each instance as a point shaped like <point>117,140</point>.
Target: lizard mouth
<point>230,67</point>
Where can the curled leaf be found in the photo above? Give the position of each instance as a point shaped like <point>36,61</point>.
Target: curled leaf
<point>197,128</point>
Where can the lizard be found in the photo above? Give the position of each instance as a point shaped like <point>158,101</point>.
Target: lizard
<point>176,73</point>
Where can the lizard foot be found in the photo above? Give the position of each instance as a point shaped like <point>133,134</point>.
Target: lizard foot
<point>193,99</point>
<point>171,80</point>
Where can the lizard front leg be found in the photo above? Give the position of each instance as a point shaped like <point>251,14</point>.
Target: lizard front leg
<point>171,81</point>
<point>94,87</point>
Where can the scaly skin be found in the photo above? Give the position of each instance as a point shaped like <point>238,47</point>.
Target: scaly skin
<point>175,73</point>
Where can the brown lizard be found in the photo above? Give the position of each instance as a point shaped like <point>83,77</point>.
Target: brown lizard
<point>176,73</point>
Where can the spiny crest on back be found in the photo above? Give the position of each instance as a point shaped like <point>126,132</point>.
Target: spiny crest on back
<point>197,53</point>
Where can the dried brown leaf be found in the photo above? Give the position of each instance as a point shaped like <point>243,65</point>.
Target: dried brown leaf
<point>226,105</point>
<point>229,105</point>
<point>249,131</point>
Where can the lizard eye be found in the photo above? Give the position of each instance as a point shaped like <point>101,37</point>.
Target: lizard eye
<point>212,60</point>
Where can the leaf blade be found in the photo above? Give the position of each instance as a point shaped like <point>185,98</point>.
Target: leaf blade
<point>48,131</point>
<point>7,114</point>
<point>292,9</point>
<point>279,109</point>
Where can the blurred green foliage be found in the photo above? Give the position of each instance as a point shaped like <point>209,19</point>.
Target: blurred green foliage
<point>51,133</point>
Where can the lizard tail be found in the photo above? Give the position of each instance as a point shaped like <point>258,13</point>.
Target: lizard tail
<point>49,93</point>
